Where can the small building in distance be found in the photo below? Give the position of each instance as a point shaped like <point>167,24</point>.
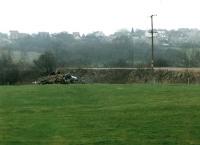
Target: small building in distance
<point>14,34</point>
<point>44,34</point>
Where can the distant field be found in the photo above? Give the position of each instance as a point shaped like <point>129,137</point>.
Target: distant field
<point>29,57</point>
<point>100,115</point>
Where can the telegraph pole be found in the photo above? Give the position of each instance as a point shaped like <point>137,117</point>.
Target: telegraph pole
<point>133,45</point>
<point>152,42</point>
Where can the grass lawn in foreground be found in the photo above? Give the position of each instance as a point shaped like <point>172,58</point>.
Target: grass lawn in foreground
<point>100,115</point>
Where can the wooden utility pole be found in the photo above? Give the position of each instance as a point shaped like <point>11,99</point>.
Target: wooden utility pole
<point>132,46</point>
<point>152,42</point>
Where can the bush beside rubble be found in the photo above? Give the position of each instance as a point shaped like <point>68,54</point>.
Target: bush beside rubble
<point>116,76</point>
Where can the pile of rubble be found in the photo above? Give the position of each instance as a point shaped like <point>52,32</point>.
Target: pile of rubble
<point>57,78</point>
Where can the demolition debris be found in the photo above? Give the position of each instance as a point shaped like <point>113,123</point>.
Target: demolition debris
<point>58,79</point>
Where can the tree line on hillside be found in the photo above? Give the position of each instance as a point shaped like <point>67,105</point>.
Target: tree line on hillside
<point>173,48</point>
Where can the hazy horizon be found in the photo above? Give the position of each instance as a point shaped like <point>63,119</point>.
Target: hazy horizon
<point>32,16</point>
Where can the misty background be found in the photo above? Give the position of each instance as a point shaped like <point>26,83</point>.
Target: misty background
<point>39,37</point>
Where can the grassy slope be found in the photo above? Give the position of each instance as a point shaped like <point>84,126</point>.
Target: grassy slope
<point>100,115</point>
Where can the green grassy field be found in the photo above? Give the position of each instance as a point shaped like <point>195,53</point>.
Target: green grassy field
<point>100,115</point>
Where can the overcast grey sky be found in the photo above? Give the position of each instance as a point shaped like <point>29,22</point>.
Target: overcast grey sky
<point>91,15</point>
